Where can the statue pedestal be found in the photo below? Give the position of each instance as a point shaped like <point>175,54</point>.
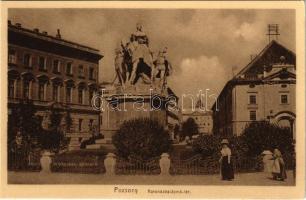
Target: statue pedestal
<point>164,164</point>
<point>109,163</point>
<point>135,102</point>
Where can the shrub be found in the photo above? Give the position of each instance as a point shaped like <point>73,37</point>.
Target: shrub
<point>207,145</point>
<point>51,140</point>
<point>263,135</point>
<point>210,145</point>
<point>142,138</point>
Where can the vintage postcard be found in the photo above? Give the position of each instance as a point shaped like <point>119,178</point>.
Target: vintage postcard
<point>153,99</point>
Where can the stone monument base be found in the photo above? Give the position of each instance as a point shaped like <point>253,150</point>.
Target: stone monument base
<point>140,101</point>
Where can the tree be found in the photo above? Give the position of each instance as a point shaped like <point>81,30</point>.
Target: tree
<point>189,128</point>
<point>51,139</point>
<point>68,121</point>
<point>142,138</point>
<point>263,135</point>
<point>23,118</point>
<point>176,130</point>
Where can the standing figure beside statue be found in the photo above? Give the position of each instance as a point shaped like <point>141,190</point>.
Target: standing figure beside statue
<point>120,67</point>
<point>162,68</point>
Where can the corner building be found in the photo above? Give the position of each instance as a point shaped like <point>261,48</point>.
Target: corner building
<point>53,72</point>
<point>263,90</point>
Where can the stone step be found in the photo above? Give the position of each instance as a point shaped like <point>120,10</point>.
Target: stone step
<point>73,147</point>
<point>104,141</point>
<point>93,146</point>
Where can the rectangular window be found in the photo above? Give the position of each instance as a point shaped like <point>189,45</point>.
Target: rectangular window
<point>68,94</point>
<point>42,63</point>
<point>56,66</point>
<point>27,60</point>
<point>81,71</point>
<point>252,99</point>
<point>80,96</point>
<point>26,89</point>
<point>69,68</point>
<point>41,91</point>
<point>91,93</point>
<point>12,56</point>
<point>55,95</point>
<point>80,124</point>
<point>90,124</point>
<point>11,88</point>
<point>253,115</point>
<point>91,73</point>
<point>284,99</point>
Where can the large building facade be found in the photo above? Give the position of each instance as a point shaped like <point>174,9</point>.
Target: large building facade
<point>263,90</point>
<point>53,72</point>
<point>203,119</point>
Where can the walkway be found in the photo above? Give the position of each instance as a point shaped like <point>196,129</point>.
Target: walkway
<point>258,179</point>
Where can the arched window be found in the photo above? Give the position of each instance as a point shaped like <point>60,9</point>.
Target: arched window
<point>28,79</point>
<point>69,88</point>
<point>81,92</point>
<point>13,75</point>
<point>43,80</point>
<point>56,86</point>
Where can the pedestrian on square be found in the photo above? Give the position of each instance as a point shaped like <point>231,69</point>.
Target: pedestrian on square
<point>278,168</point>
<point>19,152</point>
<point>227,172</point>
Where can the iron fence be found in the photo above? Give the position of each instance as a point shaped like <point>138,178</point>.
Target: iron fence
<point>134,166</point>
<point>197,165</point>
<point>78,164</point>
<point>24,160</point>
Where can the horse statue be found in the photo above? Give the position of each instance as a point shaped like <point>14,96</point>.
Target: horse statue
<point>134,60</point>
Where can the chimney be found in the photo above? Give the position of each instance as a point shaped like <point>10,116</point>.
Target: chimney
<point>36,30</point>
<point>58,35</point>
<point>18,25</point>
<point>45,33</point>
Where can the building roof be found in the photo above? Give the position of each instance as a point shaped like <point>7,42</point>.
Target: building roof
<point>268,56</point>
<point>196,112</point>
<point>49,38</point>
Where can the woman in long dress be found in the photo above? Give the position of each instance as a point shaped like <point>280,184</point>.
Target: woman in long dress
<point>227,171</point>
<point>278,167</point>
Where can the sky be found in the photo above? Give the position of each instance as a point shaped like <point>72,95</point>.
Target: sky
<point>205,46</point>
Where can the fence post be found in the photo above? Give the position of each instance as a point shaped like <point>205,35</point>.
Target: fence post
<point>164,164</point>
<point>45,162</point>
<point>110,163</point>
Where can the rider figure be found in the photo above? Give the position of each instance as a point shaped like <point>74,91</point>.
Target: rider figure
<point>141,50</point>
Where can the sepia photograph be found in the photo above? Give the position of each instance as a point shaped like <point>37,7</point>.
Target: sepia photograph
<point>129,98</point>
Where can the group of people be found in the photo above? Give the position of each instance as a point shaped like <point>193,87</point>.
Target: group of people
<point>134,60</point>
<point>18,152</point>
<point>273,164</point>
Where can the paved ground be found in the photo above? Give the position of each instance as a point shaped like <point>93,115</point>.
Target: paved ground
<point>258,179</point>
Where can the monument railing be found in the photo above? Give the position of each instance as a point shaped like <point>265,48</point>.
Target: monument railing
<point>78,164</point>
<point>197,165</point>
<point>24,160</point>
<point>136,166</point>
